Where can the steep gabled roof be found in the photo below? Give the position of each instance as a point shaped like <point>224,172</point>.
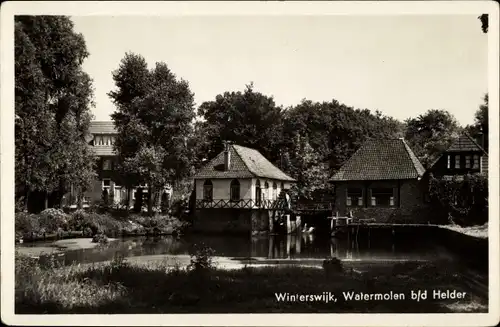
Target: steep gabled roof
<point>102,127</point>
<point>381,159</point>
<point>244,163</point>
<point>465,143</point>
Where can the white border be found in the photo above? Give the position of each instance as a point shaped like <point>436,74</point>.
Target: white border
<point>9,9</point>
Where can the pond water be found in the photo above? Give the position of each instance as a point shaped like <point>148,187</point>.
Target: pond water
<point>296,249</point>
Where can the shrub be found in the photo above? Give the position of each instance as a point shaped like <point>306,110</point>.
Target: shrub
<point>26,222</point>
<point>77,220</point>
<point>201,258</point>
<point>92,223</point>
<point>463,202</point>
<point>52,219</point>
<point>100,238</point>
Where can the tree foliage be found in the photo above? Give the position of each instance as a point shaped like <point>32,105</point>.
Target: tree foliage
<point>462,201</point>
<point>431,133</point>
<point>247,118</point>
<point>154,122</point>
<point>480,130</point>
<point>53,97</point>
<point>335,130</point>
<point>305,165</point>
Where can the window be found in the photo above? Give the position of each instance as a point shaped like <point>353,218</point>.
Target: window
<point>354,197</point>
<point>282,186</point>
<point>208,190</point>
<point>235,190</point>
<point>449,164</point>
<point>106,183</point>
<point>382,197</point>
<point>258,193</point>
<point>106,164</point>
<point>457,161</point>
<point>467,161</point>
<point>275,191</point>
<point>475,165</point>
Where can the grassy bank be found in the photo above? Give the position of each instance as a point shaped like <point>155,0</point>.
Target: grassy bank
<point>121,287</point>
<point>480,231</point>
<point>53,223</point>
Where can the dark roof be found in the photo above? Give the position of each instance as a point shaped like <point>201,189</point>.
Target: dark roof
<point>465,143</point>
<point>381,159</point>
<point>244,163</point>
<point>102,127</point>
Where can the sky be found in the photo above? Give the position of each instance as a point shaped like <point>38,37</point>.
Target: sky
<point>400,65</point>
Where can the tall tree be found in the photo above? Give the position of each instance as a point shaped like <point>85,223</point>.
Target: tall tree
<point>247,118</point>
<point>334,130</point>
<point>304,164</point>
<point>431,133</point>
<point>480,130</point>
<point>154,116</point>
<point>53,100</point>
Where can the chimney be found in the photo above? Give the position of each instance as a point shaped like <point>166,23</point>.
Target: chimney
<point>227,156</point>
<point>480,138</point>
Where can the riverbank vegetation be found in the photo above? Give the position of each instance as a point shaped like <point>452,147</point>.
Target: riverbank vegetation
<point>55,223</point>
<point>463,201</point>
<point>121,287</point>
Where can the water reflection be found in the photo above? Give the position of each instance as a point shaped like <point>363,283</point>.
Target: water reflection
<point>301,246</point>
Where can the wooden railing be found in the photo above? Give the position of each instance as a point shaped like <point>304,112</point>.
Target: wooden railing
<point>263,204</point>
<point>237,204</point>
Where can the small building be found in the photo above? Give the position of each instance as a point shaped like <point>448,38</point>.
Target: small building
<point>464,156</point>
<point>236,189</point>
<point>382,181</point>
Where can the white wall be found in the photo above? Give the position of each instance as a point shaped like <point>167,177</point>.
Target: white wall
<point>221,189</point>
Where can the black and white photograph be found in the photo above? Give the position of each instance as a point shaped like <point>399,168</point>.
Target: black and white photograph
<point>328,161</point>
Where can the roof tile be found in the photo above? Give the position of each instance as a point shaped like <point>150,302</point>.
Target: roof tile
<point>102,127</point>
<point>380,160</point>
<point>465,143</point>
<point>245,163</point>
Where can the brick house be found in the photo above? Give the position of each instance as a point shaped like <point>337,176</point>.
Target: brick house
<point>235,190</point>
<point>101,138</point>
<point>383,180</point>
<point>464,156</point>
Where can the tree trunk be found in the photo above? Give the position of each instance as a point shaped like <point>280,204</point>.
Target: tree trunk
<point>129,197</point>
<point>150,200</point>
<point>26,205</point>
<point>79,198</point>
<point>62,193</point>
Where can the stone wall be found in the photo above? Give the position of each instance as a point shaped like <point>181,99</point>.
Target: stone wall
<point>240,221</point>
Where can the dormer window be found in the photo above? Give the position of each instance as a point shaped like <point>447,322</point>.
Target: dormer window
<point>103,140</point>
